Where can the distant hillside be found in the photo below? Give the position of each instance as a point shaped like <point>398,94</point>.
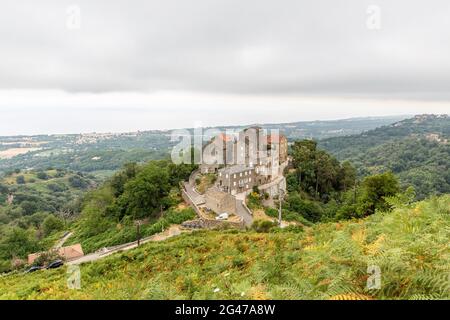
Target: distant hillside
<point>42,190</point>
<point>416,149</point>
<point>102,153</point>
<point>322,129</point>
<point>326,261</point>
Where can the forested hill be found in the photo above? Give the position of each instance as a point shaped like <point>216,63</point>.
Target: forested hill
<point>416,149</point>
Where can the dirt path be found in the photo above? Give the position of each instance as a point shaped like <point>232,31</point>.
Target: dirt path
<point>60,243</point>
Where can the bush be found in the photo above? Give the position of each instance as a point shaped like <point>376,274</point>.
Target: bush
<point>78,182</point>
<point>254,201</point>
<point>52,224</point>
<point>263,225</point>
<point>46,257</point>
<point>56,187</point>
<point>20,179</point>
<point>42,175</point>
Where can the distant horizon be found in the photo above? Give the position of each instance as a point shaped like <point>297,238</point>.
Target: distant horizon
<point>399,116</point>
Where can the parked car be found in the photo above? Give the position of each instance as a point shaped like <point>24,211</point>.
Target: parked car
<point>55,264</point>
<point>222,216</point>
<point>33,269</point>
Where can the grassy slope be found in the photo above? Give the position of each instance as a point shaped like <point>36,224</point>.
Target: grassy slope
<point>410,245</point>
<point>122,233</point>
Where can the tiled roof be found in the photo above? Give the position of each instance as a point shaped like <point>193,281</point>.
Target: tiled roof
<point>224,137</point>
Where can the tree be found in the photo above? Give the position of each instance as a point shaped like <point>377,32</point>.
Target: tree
<point>325,168</point>
<point>18,243</point>
<point>42,175</point>
<point>375,189</point>
<point>308,209</point>
<point>29,207</point>
<point>52,224</point>
<point>303,156</point>
<point>317,172</point>
<point>145,194</point>
<point>78,182</point>
<point>119,180</point>
<point>95,211</point>
<point>20,179</point>
<point>346,176</point>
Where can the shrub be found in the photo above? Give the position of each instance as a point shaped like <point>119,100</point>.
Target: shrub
<point>263,225</point>
<point>46,257</point>
<point>254,201</point>
<point>42,175</point>
<point>52,224</point>
<point>20,179</point>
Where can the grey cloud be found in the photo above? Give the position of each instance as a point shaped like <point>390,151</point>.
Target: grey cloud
<point>253,46</point>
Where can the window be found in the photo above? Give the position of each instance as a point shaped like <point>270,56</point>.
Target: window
<point>226,176</point>
<point>240,174</point>
<point>249,179</point>
<point>234,183</point>
<point>220,174</point>
<point>235,175</point>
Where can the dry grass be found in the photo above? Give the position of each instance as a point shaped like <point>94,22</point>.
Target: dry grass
<point>10,153</point>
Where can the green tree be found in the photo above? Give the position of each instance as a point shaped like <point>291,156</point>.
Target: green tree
<point>119,180</point>
<point>94,215</point>
<point>18,242</point>
<point>29,207</point>
<point>78,182</point>
<point>347,176</point>
<point>144,195</point>
<point>20,179</point>
<point>42,175</point>
<point>375,189</point>
<point>52,224</point>
<point>303,156</point>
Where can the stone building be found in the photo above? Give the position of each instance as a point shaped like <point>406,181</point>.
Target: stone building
<point>250,158</point>
<point>218,152</point>
<point>236,179</point>
<point>219,201</point>
<point>278,143</point>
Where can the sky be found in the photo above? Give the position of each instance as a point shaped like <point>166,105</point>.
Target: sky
<point>116,65</point>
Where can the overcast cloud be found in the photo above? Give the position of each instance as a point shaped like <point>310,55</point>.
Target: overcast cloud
<point>223,49</point>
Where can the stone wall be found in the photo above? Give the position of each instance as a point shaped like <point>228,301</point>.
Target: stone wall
<point>204,222</point>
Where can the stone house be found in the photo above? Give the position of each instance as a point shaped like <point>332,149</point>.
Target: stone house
<point>218,152</point>
<point>236,179</point>
<point>251,158</point>
<point>219,201</point>
<point>279,144</point>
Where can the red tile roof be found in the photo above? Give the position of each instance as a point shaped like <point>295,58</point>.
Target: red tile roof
<point>224,137</point>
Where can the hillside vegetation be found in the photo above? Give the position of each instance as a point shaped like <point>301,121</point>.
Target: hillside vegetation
<point>417,150</point>
<point>35,206</point>
<point>325,261</point>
